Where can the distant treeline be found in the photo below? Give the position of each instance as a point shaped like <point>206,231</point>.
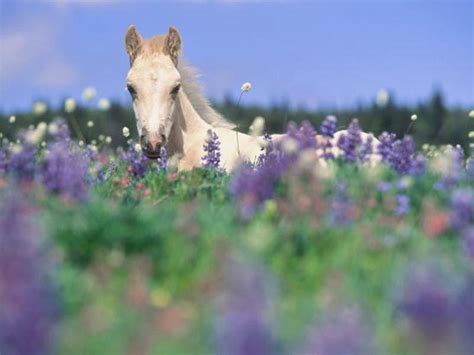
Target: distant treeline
<point>435,124</point>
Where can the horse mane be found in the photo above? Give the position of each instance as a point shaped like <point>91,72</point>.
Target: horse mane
<point>193,89</point>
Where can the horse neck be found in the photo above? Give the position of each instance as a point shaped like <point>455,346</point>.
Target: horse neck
<point>188,129</point>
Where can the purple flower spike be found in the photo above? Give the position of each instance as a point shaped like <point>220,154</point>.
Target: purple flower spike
<point>385,147</point>
<point>366,149</point>
<point>462,207</point>
<point>22,163</point>
<point>349,142</point>
<point>403,205</point>
<point>402,153</point>
<point>340,332</point>
<point>305,135</point>
<point>212,147</point>
<point>27,311</point>
<point>64,171</point>
<point>328,126</point>
<point>242,326</point>
<point>162,161</point>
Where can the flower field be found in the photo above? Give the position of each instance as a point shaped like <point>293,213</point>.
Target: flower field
<point>302,252</point>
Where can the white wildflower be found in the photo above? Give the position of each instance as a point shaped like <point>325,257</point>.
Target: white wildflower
<point>34,136</point>
<point>108,140</point>
<point>471,114</point>
<point>289,146</point>
<point>90,124</point>
<point>53,128</point>
<point>89,93</point>
<point>125,132</point>
<point>43,144</point>
<point>137,147</point>
<point>93,142</point>
<point>246,87</point>
<point>471,135</point>
<point>382,98</point>
<point>103,104</point>
<point>16,148</point>
<point>257,127</point>
<point>69,105</point>
<point>39,108</point>
<point>414,117</point>
<point>12,119</point>
<point>101,137</point>
<point>81,143</point>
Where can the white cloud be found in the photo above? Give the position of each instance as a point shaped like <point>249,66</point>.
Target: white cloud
<point>30,49</point>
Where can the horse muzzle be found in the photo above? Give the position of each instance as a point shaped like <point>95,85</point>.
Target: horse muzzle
<point>151,144</point>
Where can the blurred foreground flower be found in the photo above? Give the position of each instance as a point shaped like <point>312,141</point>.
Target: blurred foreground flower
<point>27,311</point>
<point>243,322</point>
<point>341,331</point>
<point>12,119</point>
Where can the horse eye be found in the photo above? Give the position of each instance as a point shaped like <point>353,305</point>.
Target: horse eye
<point>132,91</point>
<point>175,90</point>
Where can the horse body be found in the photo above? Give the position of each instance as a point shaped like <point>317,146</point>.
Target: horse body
<point>171,110</point>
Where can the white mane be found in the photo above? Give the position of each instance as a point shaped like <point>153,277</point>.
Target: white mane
<point>193,90</point>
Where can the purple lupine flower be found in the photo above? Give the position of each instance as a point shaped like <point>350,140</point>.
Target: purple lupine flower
<point>212,156</point>
<point>342,331</point>
<point>328,126</point>
<point>27,311</point>
<point>242,324</point>
<point>3,161</point>
<point>305,135</point>
<point>162,161</point>
<point>419,165</point>
<point>106,171</point>
<point>427,301</point>
<point>366,149</point>
<point>467,241</point>
<point>350,141</point>
<point>64,171</point>
<point>402,153</point>
<point>470,168</point>
<point>384,186</point>
<point>384,149</point>
<point>403,205</point>
<point>251,187</point>
<point>136,161</point>
<point>22,161</point>
<point>462,208</point>
<point>465,316</point>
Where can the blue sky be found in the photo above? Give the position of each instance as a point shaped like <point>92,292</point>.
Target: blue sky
<point>310,53</point>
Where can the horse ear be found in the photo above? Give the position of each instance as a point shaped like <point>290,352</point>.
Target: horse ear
<point>133,42</point>
<point>173,44</point>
